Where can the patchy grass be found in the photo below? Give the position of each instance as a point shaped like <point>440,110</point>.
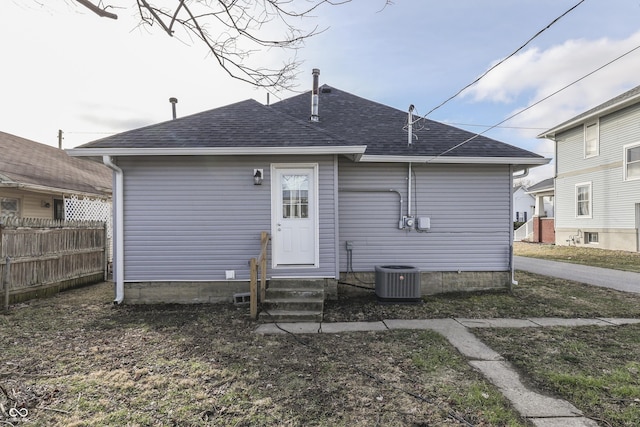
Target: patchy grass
<point>76,360</point>
<point>617,260</point>
<point>595,368</point>
<point>534,296</point>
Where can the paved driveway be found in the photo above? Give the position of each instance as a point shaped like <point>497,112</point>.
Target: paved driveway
<point>604,277</point>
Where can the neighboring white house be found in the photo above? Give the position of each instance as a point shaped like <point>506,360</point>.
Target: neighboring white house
<point>597,183</point>
<point>543,192</point>
<point>523,204</point>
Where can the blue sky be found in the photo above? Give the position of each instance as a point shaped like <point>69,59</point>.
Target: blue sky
<point>65,68</point>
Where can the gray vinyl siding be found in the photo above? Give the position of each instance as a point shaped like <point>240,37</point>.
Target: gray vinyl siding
<point>614,199</point>
<point>192,218</point>
<point>469,207</point>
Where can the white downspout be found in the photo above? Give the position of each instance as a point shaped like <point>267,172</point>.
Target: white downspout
<point>119,231</point>
<point>511,231</point>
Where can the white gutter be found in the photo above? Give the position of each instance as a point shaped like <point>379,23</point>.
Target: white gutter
<point>456,160</point>
<point>524,173</point>
<point>119,231</point>
<point>216,151</point>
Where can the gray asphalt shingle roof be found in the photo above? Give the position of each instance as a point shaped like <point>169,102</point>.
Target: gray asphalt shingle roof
<point>345,120</point>
<point>30,163</point>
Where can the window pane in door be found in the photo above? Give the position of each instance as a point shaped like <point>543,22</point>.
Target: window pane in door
<point>295,196</point>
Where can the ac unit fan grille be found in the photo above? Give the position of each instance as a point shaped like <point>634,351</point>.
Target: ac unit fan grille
<point>398,283</point>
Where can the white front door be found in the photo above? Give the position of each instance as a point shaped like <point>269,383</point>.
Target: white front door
<point>294,215</point>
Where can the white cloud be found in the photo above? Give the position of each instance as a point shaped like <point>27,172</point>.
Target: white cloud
<point>535,74</point>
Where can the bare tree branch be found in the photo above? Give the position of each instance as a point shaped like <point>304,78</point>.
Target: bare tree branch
<point>234,31</point>
<point>102,12</point>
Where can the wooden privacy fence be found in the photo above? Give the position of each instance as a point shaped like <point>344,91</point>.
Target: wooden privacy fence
<point>41,257</point>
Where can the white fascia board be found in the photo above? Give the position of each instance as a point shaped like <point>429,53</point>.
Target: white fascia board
<point>551,133</point>
<point>215,151</point>
<point>456,160</point>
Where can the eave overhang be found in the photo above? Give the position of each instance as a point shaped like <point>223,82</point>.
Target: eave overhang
<point>354,150</point>
<point>54,190</point>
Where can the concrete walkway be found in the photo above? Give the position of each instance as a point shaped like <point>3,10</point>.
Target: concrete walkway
<point>615,279</point>
<point>541,410</point>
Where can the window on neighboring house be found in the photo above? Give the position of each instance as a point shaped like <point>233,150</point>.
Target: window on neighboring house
<point>632,162</point>
<point>591,145</point>
<point>590,237</point>
<point>517,216</point>
<point>58,209</point>
<point>583,200</point>
<point>9,208</point>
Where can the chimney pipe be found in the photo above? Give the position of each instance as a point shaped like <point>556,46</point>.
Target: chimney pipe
<point>314,96</point>
<point>173,102</point>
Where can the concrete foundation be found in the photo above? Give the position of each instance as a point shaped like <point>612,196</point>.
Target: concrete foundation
<point>621,239</point>
<point>432,282</point>
<point>197,292</point>
<point>435,282</point>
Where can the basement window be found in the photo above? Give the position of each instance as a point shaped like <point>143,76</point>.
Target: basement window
<point>590,237</point>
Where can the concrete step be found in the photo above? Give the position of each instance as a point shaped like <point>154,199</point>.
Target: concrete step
<point>293,300</point>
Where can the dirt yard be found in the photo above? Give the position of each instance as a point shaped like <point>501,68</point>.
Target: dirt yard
<point>77,360</point>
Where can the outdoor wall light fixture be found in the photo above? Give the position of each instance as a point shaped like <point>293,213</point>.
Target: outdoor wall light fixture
<point>45,204</point>
<point>257,176</point>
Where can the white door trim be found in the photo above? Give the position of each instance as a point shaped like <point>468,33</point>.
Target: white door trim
<point>276,206</point>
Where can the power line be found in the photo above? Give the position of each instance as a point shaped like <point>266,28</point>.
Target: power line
<point>503,60</point>
<point>536,103</point>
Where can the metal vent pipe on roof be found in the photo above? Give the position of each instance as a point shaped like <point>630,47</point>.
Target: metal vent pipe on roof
<point>314,96</point>
<point>173,102</point>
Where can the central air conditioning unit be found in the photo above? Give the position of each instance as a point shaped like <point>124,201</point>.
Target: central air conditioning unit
<point>397,283</point>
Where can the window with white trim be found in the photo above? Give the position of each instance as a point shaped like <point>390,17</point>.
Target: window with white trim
<point>583,200</point>
<point>9,208</point>
<point>591,139</point>
<point>632,162</point>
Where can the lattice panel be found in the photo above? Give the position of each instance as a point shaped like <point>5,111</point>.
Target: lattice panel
<point>86,209</point>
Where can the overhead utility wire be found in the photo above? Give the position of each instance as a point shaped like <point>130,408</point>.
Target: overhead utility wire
<point>536,103</point>
<point>503,60</point>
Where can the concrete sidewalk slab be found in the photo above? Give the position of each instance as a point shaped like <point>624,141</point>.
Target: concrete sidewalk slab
<point>497,323</point>
<point>419,323</point>
<point>553,321</point>
<point>332,328</point>
<point>294,328</point>
<point>619,322</point>
<point>563,422</point>
<point>528,403</point>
